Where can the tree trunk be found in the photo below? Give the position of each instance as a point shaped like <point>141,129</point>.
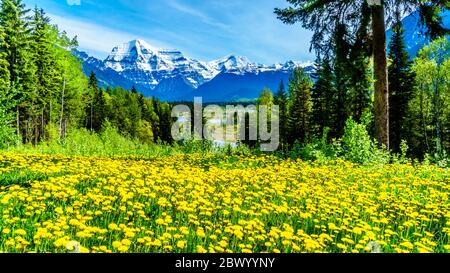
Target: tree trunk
<point>381,75</point>
<point>18,121</point>
<point>42,123</point>
<point>62,109</point>
<point>437,117</point>
<point>92,112</point>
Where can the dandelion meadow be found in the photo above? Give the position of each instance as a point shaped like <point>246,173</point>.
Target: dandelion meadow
<point>219,204</point>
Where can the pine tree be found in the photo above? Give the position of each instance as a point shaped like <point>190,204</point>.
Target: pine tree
<point>97,104</point>
<point>46,73</point>
<point>360,88</point>
<point>164,122</point>
<point>15,46</point>
<point>401,84</point>
<point>322,17</point>
<point>93,82</point>
<point>360,72</point>
<point>6,119</point>
<point>4,71</point>
<point>323,99</point>
<point>133,113</point>
<point>341,68</point>
<point>300,106</point>
<point>281,99</point>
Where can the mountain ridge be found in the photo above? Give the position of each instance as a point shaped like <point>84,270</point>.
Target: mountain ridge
<point>169,75</point>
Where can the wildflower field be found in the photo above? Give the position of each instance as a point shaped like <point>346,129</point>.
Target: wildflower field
<point>211,203</point>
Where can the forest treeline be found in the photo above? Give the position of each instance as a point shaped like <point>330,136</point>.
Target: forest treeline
<point>408,100</point>
<point>44,94</point>
<point>320,106</point>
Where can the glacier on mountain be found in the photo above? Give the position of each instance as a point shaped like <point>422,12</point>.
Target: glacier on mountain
<point>168,74</point>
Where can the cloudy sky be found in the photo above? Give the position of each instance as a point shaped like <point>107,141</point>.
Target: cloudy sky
<point>202,29</point>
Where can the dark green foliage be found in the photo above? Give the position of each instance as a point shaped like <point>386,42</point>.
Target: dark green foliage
<point>324,16</point>
<point>324,99</point>
<point>15,47</point>
<point>300,106</point>
<point>96,111</point>
<point>281,99</point>
<point>428,114</point>
<point>401,84</point>
<point>21,178</point>
<point>44,93</point>
<point>341,70</point>
<point>45,97</point>
<point>340,25</point>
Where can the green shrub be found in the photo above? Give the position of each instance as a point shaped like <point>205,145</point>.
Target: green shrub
<point>357,145</point>
<point>441,159</point>
<point>318,149</point>
<point>8,136</point>
<point>196,146</point>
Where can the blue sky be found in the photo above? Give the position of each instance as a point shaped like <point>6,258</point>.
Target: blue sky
<point>201,29</point>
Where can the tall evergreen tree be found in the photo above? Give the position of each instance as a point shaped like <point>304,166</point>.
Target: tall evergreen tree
<point>341,68</point>
<point>97,104</point>
<point>360,88</point>
<point>300,106</point>
<point>322,16</point>
<point>6,119</point>
<point>93,82</point>
<point>324,98</point>
<point>4,71</point>
<point>401,84</point>
<point>361,83</point>
<point>14,20</point>
<point>44,56</point>
<point>281,99</point>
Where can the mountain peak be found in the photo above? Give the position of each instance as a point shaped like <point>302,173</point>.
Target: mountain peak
<point>148,66</point>
<point>231,63</point>
<point>133,51</point>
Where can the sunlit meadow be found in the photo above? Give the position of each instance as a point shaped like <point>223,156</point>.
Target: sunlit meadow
<point>211,203</point>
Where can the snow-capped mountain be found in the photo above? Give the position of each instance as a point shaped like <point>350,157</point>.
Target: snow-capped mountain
<point>145,65</point>
<point>169,75</point>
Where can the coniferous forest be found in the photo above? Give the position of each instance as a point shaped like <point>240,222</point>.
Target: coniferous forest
<point>46,96</point>
<point>362,163</point>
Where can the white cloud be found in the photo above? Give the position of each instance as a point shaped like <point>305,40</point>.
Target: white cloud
<point>197,13</point>
<point>95,38</point>
<point>73,2</point>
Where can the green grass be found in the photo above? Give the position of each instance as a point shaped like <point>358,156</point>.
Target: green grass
<point>21,178</point>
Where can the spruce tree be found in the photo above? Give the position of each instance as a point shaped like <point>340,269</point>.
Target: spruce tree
<point>281,99</point>
<point>341,68</point>
<point>323,98</point>
<point>322,17</point>
<point>401,84</point>
<point>46,73</point>
<point>300,106</point>
<point>361,76</point>
<point>97,104</point>
<point>360,88</point>
<point>4,71</point>
<point>15,47</point>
